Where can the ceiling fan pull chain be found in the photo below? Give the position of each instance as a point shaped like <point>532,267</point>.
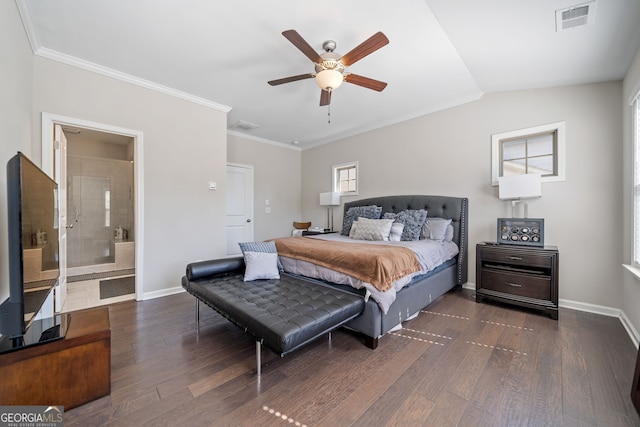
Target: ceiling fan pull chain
<point>329,114</point>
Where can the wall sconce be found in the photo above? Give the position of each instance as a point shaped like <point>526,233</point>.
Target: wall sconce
<point>330,199</point>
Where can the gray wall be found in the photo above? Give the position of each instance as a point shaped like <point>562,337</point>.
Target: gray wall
<point>276,176</point>
<point>16,62</point>
<point>185,147</point>
<point>449,153</point>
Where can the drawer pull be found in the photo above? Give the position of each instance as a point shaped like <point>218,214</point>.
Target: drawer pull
<point>515,285</point>
<point>516,258</point>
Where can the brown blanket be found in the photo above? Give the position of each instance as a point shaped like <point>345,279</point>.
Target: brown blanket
<point>379,265</point>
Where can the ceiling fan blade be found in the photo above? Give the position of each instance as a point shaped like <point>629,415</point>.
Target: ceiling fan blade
<point>365,82</point>
<point>300,43</point>
<point>368,46</point>
<point>290,79</point>
<point>325,97</point>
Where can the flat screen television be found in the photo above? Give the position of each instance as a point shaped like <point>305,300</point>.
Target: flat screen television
<point>32,219</point>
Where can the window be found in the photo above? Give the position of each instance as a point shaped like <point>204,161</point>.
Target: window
<point>107,208</point>
<point>534,150</point>
<point>636,181</point>
<point>345,178</point>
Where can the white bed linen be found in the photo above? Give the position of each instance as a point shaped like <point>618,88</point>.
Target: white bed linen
<point>430,254</point>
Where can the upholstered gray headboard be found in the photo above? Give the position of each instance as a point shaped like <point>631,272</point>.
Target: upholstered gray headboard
<point>454,208</point>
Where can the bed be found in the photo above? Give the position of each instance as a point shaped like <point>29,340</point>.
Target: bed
<point>412,291</point>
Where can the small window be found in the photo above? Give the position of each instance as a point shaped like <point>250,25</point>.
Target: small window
<point>345,178</point>
<point>533,150</point>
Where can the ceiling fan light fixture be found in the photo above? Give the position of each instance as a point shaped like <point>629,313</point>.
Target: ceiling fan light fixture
<point>329,79</point>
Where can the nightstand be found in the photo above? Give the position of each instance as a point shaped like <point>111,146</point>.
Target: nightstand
<point>524,276</point>
<point>316,232</point>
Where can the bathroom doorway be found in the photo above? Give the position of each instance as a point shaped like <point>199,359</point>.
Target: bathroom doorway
<point>102,204</point>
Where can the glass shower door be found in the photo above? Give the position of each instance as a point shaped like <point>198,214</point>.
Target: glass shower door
<point>89,210</point>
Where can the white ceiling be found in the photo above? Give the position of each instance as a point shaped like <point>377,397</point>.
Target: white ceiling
<point>441,53</point>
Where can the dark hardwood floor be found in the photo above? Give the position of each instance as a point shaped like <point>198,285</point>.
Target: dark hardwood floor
<point>458,363</point>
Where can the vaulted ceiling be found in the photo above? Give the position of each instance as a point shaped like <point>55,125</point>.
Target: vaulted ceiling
<point>441,53</point>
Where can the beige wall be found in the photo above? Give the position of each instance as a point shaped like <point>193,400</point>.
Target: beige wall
<point>631,284</point>
<point>185,147</point>
<point>16,63</point>
<point>276,176</point>
<point>79,145</point>
<point>449,153</point>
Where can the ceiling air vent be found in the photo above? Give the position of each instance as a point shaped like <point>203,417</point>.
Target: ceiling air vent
<point>244,126</point>
<point>575,16</point>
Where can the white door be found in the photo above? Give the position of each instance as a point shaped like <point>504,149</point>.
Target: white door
<point>239,207</point>
<point>60,176</point>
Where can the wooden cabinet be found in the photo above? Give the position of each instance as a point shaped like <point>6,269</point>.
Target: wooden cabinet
<point>524,276</point>
<point>68,372</point>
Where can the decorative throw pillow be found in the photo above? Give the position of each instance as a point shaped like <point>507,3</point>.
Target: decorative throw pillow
<point>413,220</point>
<point>354,227</point>
<point>436,229</point>
<point>260,265</point>
<point>269,247</point>
<point>396,232</point>
<point>449,234</point>
<point>371,229</point>
<point>355,212</point>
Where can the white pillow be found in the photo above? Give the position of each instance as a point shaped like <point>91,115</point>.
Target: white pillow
<point>260,265</point>
<point>436,228</point>
<point>396,232</point>
<point>371,229</point>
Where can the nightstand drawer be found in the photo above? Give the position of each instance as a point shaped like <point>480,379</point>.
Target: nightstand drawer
<point>517,258</point>
<point>525,285</point>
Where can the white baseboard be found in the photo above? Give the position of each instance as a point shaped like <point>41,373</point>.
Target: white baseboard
<point>592,308</point>
<point>162,293</point>
<point>605,311</point>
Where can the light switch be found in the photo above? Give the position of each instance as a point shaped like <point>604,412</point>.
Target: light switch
<point>267,209</point>
<point>266,202</point>
<point>212,185</point>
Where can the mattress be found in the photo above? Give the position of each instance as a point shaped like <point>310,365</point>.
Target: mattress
<point>430,254</point>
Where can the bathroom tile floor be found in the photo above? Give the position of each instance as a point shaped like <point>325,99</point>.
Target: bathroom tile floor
<point>86,294</point>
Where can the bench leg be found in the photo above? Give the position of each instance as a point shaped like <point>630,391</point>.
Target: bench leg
<point>258,358</point>
<point>197,318</point>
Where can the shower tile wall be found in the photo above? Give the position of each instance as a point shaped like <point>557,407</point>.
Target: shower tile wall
<point>99,199</point>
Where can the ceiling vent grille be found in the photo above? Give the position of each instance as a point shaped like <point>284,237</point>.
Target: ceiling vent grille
<point>244,126</point>
<point>575,16</point>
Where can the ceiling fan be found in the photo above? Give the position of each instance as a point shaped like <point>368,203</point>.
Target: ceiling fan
<point>330,67</point>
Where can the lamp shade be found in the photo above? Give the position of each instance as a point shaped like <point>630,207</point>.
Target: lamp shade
<point>329,199</point>
<point>329,79</point>
<point>515,187</point>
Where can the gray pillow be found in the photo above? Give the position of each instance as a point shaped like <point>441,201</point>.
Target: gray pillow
<point>413,221</point>
<point>268,247</point>
<point>355,212</point>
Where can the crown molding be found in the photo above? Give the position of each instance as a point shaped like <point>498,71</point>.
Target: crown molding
<point>114,74</point>
<point>27,23</point>
<point>39,50</point>
<point>263,140</point>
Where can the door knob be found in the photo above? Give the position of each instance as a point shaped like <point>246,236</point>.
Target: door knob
<point>248,220</point>
<point>69,225</point>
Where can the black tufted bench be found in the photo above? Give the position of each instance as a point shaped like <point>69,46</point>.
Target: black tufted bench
<point>283,315</point>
